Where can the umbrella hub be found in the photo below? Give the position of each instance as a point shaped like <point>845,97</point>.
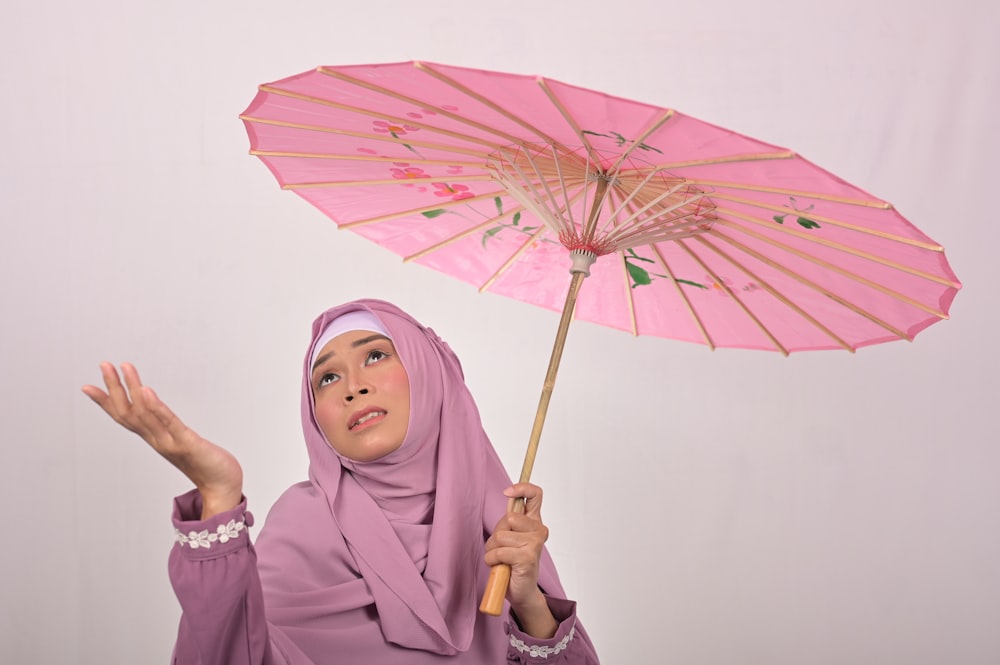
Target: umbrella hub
<point>598,176</point>
<point>599,208</point>
<point>582,260</point>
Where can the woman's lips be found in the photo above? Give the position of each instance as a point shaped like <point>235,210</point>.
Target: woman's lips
<point>365,417</point>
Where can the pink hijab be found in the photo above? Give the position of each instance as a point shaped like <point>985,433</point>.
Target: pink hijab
<point>382,561</point>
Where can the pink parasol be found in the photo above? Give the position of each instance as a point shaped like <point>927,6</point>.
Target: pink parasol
<point>525,186</point>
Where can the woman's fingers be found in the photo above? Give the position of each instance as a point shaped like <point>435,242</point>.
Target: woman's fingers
<point>160,420</point>
<point>532,495</point>
<point>118,397</point>
<point>518,538</point>
<point>134,406</point>
<point>98,396</point>
<point>115,401</point>
<point>530,539</point>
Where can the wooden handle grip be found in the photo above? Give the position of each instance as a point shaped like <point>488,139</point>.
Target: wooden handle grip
<point>496,590</point>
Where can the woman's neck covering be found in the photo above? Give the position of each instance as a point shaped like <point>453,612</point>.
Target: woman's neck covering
<point>414,521</point>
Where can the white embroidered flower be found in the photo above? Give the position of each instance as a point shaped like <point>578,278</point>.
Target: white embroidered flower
<point>223,534</point>
<point>229,531</point>
<point>198,539</point>
<point>539,651</point>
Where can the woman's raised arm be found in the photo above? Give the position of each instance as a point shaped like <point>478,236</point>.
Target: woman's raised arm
<point>213,469</point>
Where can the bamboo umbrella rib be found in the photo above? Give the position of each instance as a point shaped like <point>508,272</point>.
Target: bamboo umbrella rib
<point>680,291</point>
<point>660,226</point>
<point>832,222</point>
<point>718,280</point>
<point>635,192</point>
<point>826,220</point>
<point>421,104</point>
<point>882,205</point>
<point>639,139</point>
<point>813,285</point>
<point>644,236</point>
<point>364,158</point>
<point>415,211</point>
<point>534,205</point>
<point>447,80</point>
<point>601,192</point>
<point>459,236</point>
<point>388,181</point>
<point>729,159</point>
<point>626,276</point>
<point>570,120</point>
<point>665,211</point>
<point>513,258</point>
<point>834,268</point>
<point>548,191</point>
<point>687,301</point>
<point>584,218</point>
<point>628,294</point>
<point>375,137</point>
<point>536,201</point>
<point>376,114</point>
<point>811,237</point>
<point>570,201</point>
<point>563,189</point>
<point>777,294</point>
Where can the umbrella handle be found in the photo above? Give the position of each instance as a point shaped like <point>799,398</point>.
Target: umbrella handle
<point>496,589</point>
<point>496,585</point>
<point>499,580</point>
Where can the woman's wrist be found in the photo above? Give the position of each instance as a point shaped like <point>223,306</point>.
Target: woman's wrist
<point>535,618</point>
<point>214,502</point>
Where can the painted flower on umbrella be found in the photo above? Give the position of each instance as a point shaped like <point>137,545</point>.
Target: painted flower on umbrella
<point>408,173</point>
<point>454,192</point>
<point>392,129</point>
<point>724,285</point>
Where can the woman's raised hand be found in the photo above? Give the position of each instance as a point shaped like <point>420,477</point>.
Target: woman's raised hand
<point>517,541</point>
<point>212,469</point>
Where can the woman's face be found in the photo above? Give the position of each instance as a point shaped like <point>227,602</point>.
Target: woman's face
<point>361,395</point>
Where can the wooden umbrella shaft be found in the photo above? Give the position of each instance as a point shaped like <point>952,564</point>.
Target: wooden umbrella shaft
<point>496,586</point>
<point>550,377</point>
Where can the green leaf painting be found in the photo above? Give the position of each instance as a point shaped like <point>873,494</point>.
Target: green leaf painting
<point>642,277</point>
<point>801,219</point>
<point>514,225</point>
<point>621,140</point>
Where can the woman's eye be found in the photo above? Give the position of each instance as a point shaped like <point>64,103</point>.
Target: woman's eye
<point>326,379</point>
<point>375,355</point>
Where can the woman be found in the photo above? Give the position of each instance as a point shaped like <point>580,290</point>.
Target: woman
<point>381,556</point>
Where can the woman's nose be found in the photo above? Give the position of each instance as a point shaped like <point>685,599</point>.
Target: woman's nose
<point>360,391</point>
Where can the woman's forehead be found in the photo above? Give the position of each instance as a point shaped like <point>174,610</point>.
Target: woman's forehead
<point>352,339</point>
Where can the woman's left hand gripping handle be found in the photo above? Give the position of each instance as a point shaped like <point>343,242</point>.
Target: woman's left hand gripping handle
<point>518,541</point>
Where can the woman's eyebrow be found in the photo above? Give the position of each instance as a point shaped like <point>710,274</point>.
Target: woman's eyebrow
<point>371,338</point>
<point>355,344</point>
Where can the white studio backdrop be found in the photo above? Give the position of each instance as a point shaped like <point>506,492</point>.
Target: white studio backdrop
<point>706,508</point>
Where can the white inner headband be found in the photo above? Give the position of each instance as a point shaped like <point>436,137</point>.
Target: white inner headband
<point>356,320</point>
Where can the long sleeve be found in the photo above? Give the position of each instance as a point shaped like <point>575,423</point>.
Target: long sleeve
<point>570,644</point>
<point>213,569</point>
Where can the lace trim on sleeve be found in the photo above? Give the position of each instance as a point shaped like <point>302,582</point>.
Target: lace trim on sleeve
<point>204,539</point>
<point>537,651</point>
